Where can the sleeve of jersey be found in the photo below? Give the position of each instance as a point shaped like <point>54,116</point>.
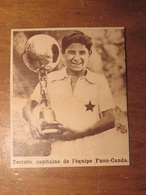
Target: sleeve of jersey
<point>106,101</point>
<point>36,95</point>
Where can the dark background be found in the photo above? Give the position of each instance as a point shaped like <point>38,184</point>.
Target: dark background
<point>131,14</point>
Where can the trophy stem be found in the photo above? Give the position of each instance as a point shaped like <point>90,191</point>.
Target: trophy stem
<point>43,85</point>
<point>47,113</point>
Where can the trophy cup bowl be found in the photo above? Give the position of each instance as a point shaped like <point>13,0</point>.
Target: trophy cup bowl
<point>41,50</point>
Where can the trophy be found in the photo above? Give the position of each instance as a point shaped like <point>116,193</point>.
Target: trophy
<point>41,55</point>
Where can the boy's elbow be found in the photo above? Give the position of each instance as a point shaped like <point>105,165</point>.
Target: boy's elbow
<point>112,121</point>
<point>24,112</point>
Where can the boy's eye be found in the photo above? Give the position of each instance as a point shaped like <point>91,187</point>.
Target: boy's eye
<point>71,52</point>
<point>82,52</point>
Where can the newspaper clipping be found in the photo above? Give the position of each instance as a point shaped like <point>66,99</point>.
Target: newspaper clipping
<point>68,98</point>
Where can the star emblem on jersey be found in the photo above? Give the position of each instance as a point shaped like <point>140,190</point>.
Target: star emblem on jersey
<point>89,106</point>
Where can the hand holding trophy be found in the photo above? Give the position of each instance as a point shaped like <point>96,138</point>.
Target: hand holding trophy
<point>42,55</point>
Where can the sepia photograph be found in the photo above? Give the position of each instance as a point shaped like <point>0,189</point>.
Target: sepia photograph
<point>69,97</point>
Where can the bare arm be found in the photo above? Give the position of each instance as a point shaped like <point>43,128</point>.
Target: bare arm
<point>28,109</point>
<point>34,123</point>
<point>106,123</point>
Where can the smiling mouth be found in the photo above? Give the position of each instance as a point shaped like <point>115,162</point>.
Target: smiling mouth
<point>76,64</point>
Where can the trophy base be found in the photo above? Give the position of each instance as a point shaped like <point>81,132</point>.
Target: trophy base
<point>49,125</point>
<point>50,130</point>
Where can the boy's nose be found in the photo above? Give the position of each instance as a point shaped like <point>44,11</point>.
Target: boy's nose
<point>77,56</point>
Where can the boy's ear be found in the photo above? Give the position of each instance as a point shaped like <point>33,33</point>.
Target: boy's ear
<point>90,52</point>
<point>62,51</point>
<point>63,54</point>
<point>63,57</point>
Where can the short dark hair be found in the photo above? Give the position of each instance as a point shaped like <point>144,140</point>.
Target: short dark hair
<point>75,36</point>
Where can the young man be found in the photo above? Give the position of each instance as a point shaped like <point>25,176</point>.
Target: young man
<point>81,100</point>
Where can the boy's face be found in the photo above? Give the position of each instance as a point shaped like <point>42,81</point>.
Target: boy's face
<point>76,57</point>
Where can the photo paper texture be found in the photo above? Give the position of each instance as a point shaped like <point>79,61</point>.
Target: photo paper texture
<point>68,98</point>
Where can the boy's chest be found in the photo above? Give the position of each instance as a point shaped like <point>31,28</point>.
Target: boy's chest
<point>73,90</point>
